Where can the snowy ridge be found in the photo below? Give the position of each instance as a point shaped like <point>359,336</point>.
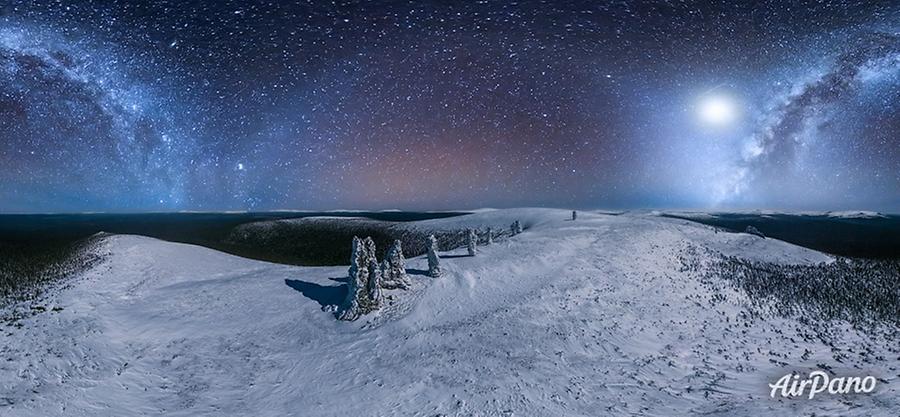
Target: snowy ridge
<point>570,318</point>
<point>499,220</point>
<point>856,214</point>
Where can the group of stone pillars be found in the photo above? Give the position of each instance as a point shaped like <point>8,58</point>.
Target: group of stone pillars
<point>367,277</point>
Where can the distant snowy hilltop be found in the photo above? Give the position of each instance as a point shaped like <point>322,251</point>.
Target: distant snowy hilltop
<point>591,315</point>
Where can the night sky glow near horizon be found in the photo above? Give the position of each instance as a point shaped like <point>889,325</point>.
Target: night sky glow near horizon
<point>238,105</point>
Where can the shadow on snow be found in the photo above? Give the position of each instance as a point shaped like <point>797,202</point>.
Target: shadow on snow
<point>322,294</point>
<point>422,272</point>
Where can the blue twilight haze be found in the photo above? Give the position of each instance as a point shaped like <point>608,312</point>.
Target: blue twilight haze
<point>220,105</point>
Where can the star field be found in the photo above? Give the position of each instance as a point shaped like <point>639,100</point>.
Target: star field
<point>221,105</point>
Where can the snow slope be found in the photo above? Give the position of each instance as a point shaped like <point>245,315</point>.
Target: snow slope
<point>571,318</point>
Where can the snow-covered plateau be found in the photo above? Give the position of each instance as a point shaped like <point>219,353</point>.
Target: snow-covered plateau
<point>591,317</point>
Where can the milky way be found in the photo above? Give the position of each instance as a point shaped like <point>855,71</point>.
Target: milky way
<point>241,105</point>
<point>75,133</point>
<point>772,153</point>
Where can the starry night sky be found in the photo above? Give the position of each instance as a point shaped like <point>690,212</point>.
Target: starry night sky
<point>238,105</point>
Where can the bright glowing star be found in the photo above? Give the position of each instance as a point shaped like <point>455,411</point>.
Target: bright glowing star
<point>717,110</point>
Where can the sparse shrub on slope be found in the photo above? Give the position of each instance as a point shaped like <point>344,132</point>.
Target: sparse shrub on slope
<point>27,267</point>
<point>862,292</point>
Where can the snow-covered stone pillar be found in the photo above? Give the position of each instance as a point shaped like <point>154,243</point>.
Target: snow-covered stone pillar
<point>373,291</point>
<point>434,261</point>
<point>364,283</point>
<point>471,242</point>
<point>516,227</point>
<point>357,283</point>
<point>394,268</point>
<point>370,249</point>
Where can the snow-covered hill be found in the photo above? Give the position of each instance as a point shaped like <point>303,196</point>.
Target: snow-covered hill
<point>571,318</point>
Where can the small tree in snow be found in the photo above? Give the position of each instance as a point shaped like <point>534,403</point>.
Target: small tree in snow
<point>490,236</point>
<point>393,268</point>
<point>471,242</point>
<point>434,261</point>
<point>574,215</point>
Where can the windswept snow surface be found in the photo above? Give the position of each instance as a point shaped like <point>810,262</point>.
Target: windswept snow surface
<point>570,318</point>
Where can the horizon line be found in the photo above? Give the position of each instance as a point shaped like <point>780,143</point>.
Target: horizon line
<point>463,210</point>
